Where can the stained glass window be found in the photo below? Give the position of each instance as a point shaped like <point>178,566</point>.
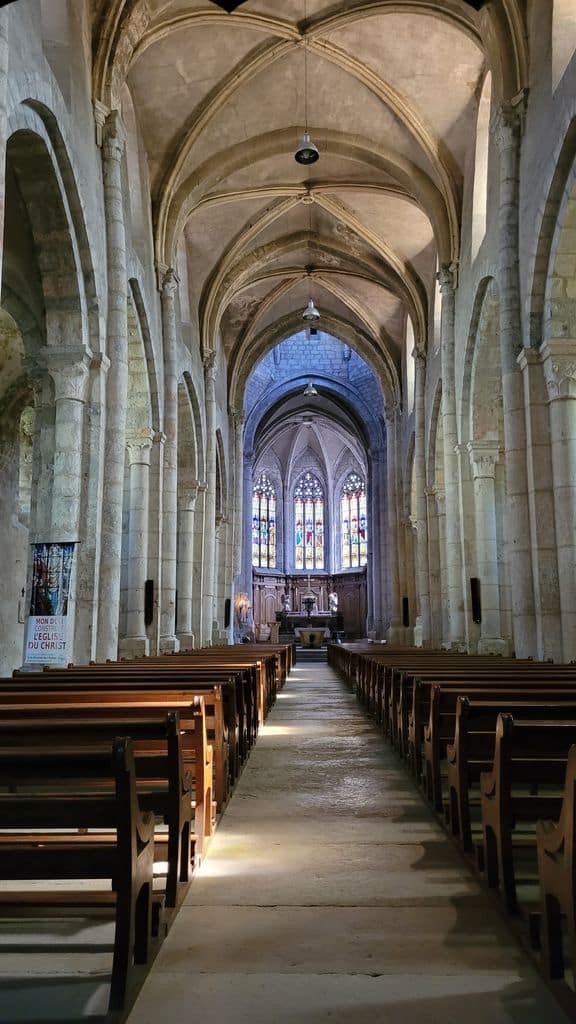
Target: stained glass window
<point>309,523</point>
<point>353,524</point>
<point>264,523</point>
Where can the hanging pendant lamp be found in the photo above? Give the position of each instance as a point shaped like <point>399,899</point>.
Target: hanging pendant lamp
<point>307,152</point>
<point>311,313</point>
<point>309,390</point>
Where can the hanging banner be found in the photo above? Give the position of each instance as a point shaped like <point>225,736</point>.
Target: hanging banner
<point>47,634</point>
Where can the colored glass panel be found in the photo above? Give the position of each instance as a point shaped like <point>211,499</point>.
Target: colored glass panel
<point>308,523</point>
<point>353,523</point>
<point>264,523</point>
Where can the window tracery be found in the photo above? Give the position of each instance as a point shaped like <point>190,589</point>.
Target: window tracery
<point>309,523</point>
<point>353,522</point>
<point>264,523</point>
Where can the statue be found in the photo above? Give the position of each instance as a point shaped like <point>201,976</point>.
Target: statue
<point>285,602</point>
<point>333,603</point>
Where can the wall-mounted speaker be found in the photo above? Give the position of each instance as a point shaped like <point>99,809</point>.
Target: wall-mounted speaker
<point>475,595</point>
<point>149,602</point>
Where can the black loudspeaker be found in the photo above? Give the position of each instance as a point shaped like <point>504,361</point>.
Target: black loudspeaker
<point>476,599</point>
<point>148,602</point>
<point>227,605</point>
<point>405,612</point>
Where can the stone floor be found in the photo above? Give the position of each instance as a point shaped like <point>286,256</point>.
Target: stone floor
<point>330,894</point>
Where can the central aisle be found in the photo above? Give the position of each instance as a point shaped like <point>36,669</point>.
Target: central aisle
<point>330,894</point>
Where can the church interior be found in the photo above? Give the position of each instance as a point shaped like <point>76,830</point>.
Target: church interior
<point>288,511</point>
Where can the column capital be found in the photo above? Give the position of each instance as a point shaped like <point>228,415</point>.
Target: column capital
<point>100,363</point>
<point>101,112</point>
<point>419,357</point>
<point>159,437</point>
<point>139,448</point>
<point>507,123</point>
<point>484,455</point>
<point>559,361</point>
<point>528,357</point>
<point>187,494</point>
<point>68,368</point>
<point>113,136</point>
<point>447,278</point>
<point>392,412</point>
<point>209,360</point>
<point>169,282</point>
<point>237,416</point>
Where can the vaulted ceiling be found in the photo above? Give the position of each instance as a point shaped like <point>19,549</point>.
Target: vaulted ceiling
<point>220,99</point>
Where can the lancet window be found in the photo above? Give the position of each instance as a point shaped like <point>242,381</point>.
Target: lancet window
<point>309,523</point>
<point>354,528</point>
<point>264,523</point>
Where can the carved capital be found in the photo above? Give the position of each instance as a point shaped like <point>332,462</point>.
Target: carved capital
<point>559,362</point>
<point>139,447</point>
<point>209,361</point>
<point>507,123</point>
<point>170,282</point>
<point>238,418</point>
<point>159,437</point>
<point>187,494</point>
<point>68,369</point>
<point>447,278</point>
<point>113,137</point>
<point>484,456</point>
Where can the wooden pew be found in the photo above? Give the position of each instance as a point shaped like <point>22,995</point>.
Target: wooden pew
<point>433,737</point>
<point>524,785</point>
<point>126,859</point>
<point>223,719</point>
<point>472,750</point>
<point>557,873</point>
<point>166,785</point>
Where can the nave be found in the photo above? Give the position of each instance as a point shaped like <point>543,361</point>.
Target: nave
<point>329,893</point>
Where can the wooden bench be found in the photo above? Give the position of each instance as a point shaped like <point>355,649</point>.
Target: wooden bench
<point>557,874</point>
<point>525,784</point>
<point>69,801</point>
<point>472,750</point>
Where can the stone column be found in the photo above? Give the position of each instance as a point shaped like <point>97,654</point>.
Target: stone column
<point>69,372</point>
<point>434,568</point>
<point>184,579</point>
<point>422,567</point>
<point>507,130</point>
<point>484,456</point>
<point>559,361</point>
<point>114,138</point>
<point>210,498</point>
<point>220,635</point>
<point>456,637</point>
<point>441,521</point>
<point>198,566</point>
<point>136,644</point>
<point>237,417</point>
<point>395,633</point>
<point>378,564</point>
<point>247,525</point>
<point>168,639</point>
<point>541,503</point>
<point>4,62</point>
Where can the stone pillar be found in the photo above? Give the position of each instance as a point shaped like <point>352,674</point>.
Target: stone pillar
<point>434,568</point>
<point>507,130</point>
<point>198,566</point>
<point>184,579</point>
<point>560,372</point>
<point>541,503</point>
<point>4,63</point>
<point>378,564</point>
<point>484,456</point>
<point>237,417</point>
<point>168,639</point>
<point>395,633</point>
<point>136,644</point>
<point>69,372</point>
<point>114,138</point>
<point>247,526</point>
<point>210,498</point>
<point>441,521</point>
<point>422,567</point>
<point>456,636</point>
<point>220,635</point>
